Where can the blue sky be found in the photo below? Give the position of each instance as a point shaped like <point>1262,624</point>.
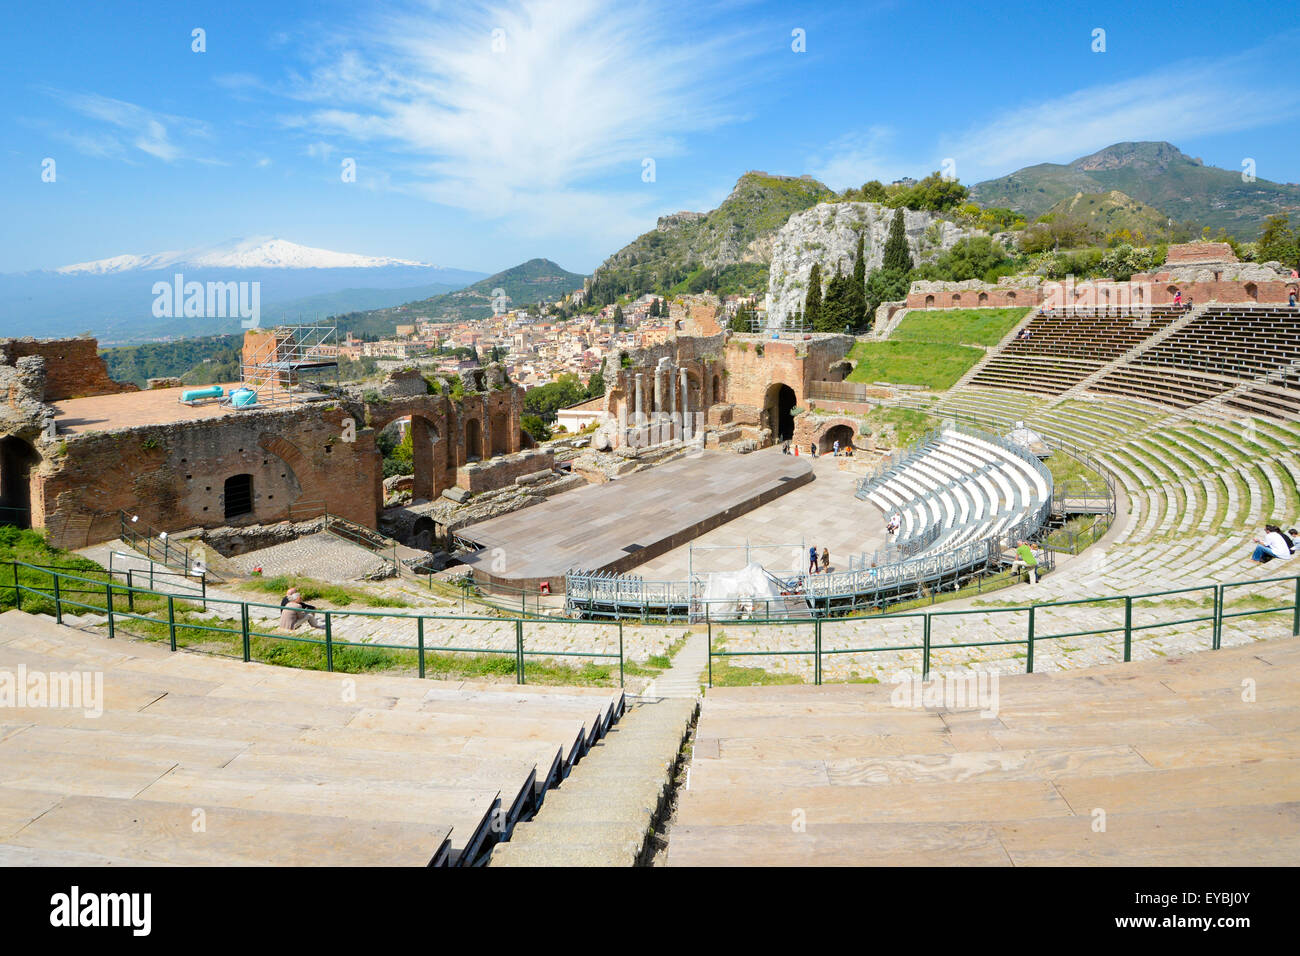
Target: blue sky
<point>486,134</point>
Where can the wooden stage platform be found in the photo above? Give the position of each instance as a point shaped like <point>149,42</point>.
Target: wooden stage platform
<point>619,525</point>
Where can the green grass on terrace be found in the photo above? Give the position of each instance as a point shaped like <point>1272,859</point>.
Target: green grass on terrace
<point>933,365</point>
<point>958,326</point>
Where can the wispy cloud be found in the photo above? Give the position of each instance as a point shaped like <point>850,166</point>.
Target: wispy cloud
<point>125,128</point>
<point>1177,102</point>
<point>857,158</point>
<point>529,108</point>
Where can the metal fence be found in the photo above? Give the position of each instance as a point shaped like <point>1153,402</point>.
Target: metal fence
<point>911,640</point>
<point>231,625</point>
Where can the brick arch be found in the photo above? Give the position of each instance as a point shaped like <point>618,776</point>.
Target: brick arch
<point>311,487</point>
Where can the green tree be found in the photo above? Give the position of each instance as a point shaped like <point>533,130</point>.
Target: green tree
<point>596,384</point>
<point>535,427</point>
<point>618,316</point>
<point>897,257</point>
<point>836,307</point>
<point>1277,242</point>
<point>884,285</point>
<point>812,305</point>
<point>858,301</point>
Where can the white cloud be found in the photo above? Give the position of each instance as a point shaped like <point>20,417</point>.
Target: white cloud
<point>858,158</point>
<point>128,126</point>
<point>487,108</point>
<point>1177,102</point>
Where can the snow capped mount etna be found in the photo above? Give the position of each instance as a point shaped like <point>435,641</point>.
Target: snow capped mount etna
<point>261,252</point>
<point>115,298</point>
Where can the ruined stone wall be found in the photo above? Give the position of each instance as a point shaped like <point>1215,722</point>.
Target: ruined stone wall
<point>73,368</point>
<point>500,472</point>
<point>174,476</point>
<point>754,364</point>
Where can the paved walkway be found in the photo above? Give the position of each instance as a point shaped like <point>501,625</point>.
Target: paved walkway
<point>682,680</point>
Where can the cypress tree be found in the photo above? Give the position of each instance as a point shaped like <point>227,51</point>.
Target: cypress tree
<point>858,301</point>
<point>897,257</point>
<point>812,306</point>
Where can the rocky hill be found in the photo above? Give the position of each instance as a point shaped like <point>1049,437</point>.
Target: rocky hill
<point>828,234</point>
<point>739,231</point>
<point>1155,173</point>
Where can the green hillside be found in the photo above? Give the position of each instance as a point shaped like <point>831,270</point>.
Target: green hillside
<point>537,280</point>
<point>1156,174</point>
<point>1110,212</point>
<point>727,246</point>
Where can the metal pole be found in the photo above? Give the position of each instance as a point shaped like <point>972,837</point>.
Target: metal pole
<point>1218,617</point>
<point>925,649</point>
<point>709,622</point>
<point>1128,629</point>
<point>419,631</point>
<point>519,651</point>
<point>620,653</point>
<point>329,642</point>
<point>171,621</point>
<point>243,627</point>
<point>108,594</point>
<point>1295,617</point>
<point>58,601</point>
<point>1029,655</point>
<point>130,590</point>
<point>18,592</point>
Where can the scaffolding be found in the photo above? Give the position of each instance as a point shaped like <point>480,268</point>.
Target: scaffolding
<point>280,365</point>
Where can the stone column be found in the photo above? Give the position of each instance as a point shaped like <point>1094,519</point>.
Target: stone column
<point>686,408</point>
<point>675,421</point>
<point>639,418</point>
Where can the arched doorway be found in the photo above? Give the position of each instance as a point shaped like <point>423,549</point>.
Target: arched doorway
<point>424,452</point>
<point>717,390</point>
<point>500,433</point>
<point>1252,291</point>
<point>238,496</point>
<point>841,433</point>
<point>778,409</point>
<point>17,459</point>
<point>929,302</point>
<point>473,440</point>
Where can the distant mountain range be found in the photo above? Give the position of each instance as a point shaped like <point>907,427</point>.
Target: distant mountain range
<point>262,252</point>
<point>537,280</point>
<point>1158,174</point>
<point>113,298</point>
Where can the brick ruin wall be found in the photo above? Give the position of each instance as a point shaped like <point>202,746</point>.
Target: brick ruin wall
<point>73,367</point>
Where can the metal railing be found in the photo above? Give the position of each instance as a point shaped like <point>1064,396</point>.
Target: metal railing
<point>154,544</point>
<point>39,588</point>
<point>917,632</point>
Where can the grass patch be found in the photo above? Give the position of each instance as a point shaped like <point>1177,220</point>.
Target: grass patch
<point>958,326</point>
<point>934,365</point>
<point>337,595</point>
<point>30,547</point>
<point>726,674</point>
<point>908,425</point>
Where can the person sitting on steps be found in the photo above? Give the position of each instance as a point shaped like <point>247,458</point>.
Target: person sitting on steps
<point>1271,545</point>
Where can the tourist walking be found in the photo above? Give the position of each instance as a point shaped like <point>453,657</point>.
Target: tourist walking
<point>812,560</point>
<point>835,449</point>
<point>826,560</point>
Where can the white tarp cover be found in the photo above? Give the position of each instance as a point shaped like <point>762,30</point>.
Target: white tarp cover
<point>748,592</point>
<point>1023,435</point>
